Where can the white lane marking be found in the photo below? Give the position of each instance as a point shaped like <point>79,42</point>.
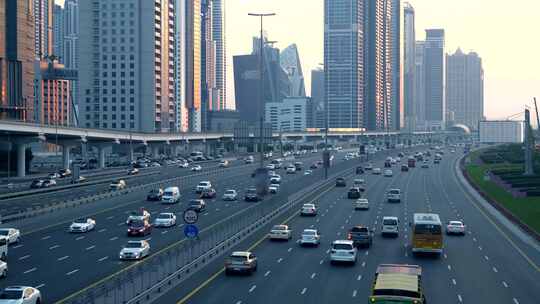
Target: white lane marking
<point>103,259</point>
<point>311,226</point>
<point>217,209</point>
<point>102,230</point>
<point>459,298</point>
<point>113,238</point>
<point>72,272</point>
<point>164,231</point>
<point>121,224</point>
<point>474,239</point>
<point>495,269</point>
<point>63,258</point>
<point>486,257</point>
<point>445,256</point>
<point>515,301</point>
<point>359,277</point>
<point>18,246</point>
<point>313,275</point>
<point>279,260</point>
<point>303,290</point>
<point>342,227</point>
<point>454,281</point>
<point>252,288</point>
<point>39,286</point>
<point>328,251</point>
<point>181,225</point>
<point>91,247</point>
<point>239,302</point>
<point>110,217</point>
<point>354,293</point>
<point>79,238</point>
<point>317,220</point>
<point>30,270</point>
<point>363,264</point>
<point>205,213</point>
<point>54,247</point>
<point>267,273</point>
<point>449,267</point>
<point>367,252</point>
<point>24,257</point>
<point>505,284</point>
<point>479,247</point>
<point>46,237</point>
<point>289,250</point>
<point>321,262</point>
<point>338,233</point>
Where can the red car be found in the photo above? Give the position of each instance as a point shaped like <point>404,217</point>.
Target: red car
<point>139,228</point>
<point>209,193</point>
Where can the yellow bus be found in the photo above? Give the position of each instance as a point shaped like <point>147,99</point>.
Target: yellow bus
<point>427,235</point>
<point>397,284</point>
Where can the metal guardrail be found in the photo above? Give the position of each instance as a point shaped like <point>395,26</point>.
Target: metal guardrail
<point>143,282</point>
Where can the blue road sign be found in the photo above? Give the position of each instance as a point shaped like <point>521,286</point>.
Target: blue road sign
<point>191,231</point>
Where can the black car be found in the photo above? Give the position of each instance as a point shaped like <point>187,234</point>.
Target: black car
<point>208,193</point>
<point>251,195</point>
<point>64,172</point>
<point>404,168</point>
<point>36,184</point>
<point>139,228</point>
<point>340,182</point>
<point>359,170</point>
<point>354,193</point>
<point>155,195</point>
<point>197,204</point>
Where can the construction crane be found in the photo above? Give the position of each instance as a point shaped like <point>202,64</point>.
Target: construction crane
<point>537,118</point>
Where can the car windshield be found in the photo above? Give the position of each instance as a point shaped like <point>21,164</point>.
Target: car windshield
<point>279,228</point>
<point>137,224</point>
<point>309,206</point>
<point>164,216</point>
<point>134,245</point>
<point>236,258</point>
<point>391,222</point>
<point>251,191</point>
<point>309,232</point>
<point>154,191</point>
<point>394,192</point>
<point>80,221</point>
<point>229,192</point>
<point>342,247</point>
<point>359,229</point>
<point>194,203</point>
<point>168,193</point>
<point>4,232</point>
<point>456,224</point>
<point>11,294</point>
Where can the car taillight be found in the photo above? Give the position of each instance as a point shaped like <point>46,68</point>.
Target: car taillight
<point>351,252</point>
<point>333,251</point>
<point>349,236</point>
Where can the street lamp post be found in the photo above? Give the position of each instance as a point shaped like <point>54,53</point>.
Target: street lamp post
<point>261,85</point>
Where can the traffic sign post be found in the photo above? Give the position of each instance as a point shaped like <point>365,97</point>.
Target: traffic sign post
<point>191,231</point>
<point>190,216</point>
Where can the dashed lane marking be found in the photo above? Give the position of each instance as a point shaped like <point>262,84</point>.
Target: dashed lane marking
<point>113,238</point>
<point>79,238</point>
<point>359,277</point>
<point>505,284</point>
<point>303,291</point>
<point>39,286</point>
<point>460,298</point>
<point>103,259</point>
<point>102,230</point>
<point>515,301</point>
<point>30,270</point>
<point>267,273</point>
<point>313,275</point>
<point>72,272</point>
<point>91,247</point>
<point>46,237</point>
<point>495,269</point>
<point>54,247</point>
<point>24,257</point>
<point>63,258</point>
<point>454,281</point>
<point>279,260</point>
<point>354,293</point>
<point>252,288</point>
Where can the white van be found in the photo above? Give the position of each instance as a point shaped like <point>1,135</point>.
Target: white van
<point>3,248</point>
<point>171,195</point>
<point>390,226</point>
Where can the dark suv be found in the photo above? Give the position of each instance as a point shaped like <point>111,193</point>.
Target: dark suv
<point>361,236</point>
<point>139,228</point>
<point>340,182</point>
<point>251,195</point>
<point>155,195</point>
<point>354,193</point>
<point>197,204</point>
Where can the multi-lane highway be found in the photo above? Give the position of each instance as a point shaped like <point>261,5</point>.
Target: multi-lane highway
<point>48,254</point>
<point>487,265</point>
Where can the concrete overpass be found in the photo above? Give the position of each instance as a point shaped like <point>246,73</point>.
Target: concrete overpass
<point>21,134</point>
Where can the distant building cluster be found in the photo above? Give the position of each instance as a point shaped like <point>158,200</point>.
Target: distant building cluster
<point>161,66</point>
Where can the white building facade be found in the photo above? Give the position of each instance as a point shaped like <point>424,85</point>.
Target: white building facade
<point>289,115</point>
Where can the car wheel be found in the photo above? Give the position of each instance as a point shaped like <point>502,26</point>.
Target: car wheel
<point>38,301</point>
<point>4,273</point>
<point>3,257</point>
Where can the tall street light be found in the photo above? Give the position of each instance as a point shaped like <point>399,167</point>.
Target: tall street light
<point>261,84</point>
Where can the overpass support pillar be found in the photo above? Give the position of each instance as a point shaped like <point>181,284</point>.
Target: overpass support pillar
<point>66,151</point>
<point>101,157</point>
<point>155,151</point>
<point>21,159</point>
<point>130,154</point>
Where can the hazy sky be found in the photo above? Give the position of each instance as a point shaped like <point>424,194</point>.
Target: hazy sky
<point>504,33</point>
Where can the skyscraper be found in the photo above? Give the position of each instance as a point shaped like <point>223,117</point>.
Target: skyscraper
<point>182,123</point>
<point>17,55</point>
<point>193,59</point>
<point>58,32</point>
<point>434,74</point>
<point>317,98</point>
<point>290,62</point>
<point>43,27</point>
<point>362,59</point>
<point>465,88</point>
<point>409,57</point>
<point>70,56</point>
<point>210,94</point>
<point>419,93</point>
<point>344,62</point>
<point>218,36</point>
<point>397,29</point>
<point>127,65</point>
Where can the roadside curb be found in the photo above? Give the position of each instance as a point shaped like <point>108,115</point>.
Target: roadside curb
<point>479,194</point>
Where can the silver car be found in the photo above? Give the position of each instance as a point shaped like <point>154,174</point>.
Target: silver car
<point>310,237</point>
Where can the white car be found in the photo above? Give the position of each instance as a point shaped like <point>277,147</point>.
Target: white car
<point>359,182</point>
<point>376,171</point>
<point>20,295</point>
<point>455,227</point>
<point>390,225</point>
<point>143,216</point>
<point>275,179</point>
<point>203,186</point>
<point>308,209</point>
<point>13,235</point>
<point>224,163</point>
<point>183,164</point>
<point>230,195</point>
<point>425,164</point>
<point>82,225</point>
<point>361,204</point>
<point>393,195</point>
<point>270,167</point>
<point>3,269</point>
<point>273,188</point>
<point>118,185</point>
<point>135,250</point>
<point>291,169</point>
<point>310,237</point>
<point>308,172</point>
<point>388,173</point>
<point>280,232</point>
<point>343,251</point>
<point>165,220</point>
<point>196,168</point>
